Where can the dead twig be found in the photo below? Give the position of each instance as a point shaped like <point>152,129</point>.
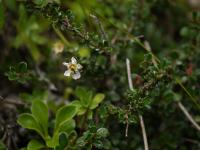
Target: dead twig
<point>146,147</point>
<point>12,102</point>
<point>187,114</point>
<point>192,141</point>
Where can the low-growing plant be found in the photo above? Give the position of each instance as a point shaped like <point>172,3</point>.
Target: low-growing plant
<point>87,75</point>
<point>38,120</point>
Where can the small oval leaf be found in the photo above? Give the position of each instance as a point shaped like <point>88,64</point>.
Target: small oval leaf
<point>35,145</point>
<point>64,114</point>
<point>84,95</point>
<point>28,121</point>
<point>40,112</point>
<point>67,126</point>
<point>22,67</point>
<point>96,100</point>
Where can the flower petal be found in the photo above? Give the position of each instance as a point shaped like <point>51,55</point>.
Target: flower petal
<point>67,73</point>
<point>73,60</point>
<point>76,75</point>
<point>66,64</point>
<point>79,66</point>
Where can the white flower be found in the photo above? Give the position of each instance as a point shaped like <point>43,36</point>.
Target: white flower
<point>73,69</point>
<point>58,47</point>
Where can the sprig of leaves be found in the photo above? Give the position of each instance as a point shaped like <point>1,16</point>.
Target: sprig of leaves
<point>38,121</point>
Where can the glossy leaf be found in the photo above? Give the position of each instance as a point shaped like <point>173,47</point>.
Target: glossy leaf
<point>84,95</point>
<point>96,100</point>
<point>64,114</point>
<point>54,141</point>
<point>63,141</point>
<point>67,126</point>
<point>28,121</point>
<point>22,67</point>
<point>102,132</point>
<point>80,109</point>
<point>35,145</point>
<point>40,112</point>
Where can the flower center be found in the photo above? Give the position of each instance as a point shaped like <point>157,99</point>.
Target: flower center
<point>73,67</point>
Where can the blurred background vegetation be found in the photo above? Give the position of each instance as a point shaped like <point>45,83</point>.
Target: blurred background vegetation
<point>37,36</point>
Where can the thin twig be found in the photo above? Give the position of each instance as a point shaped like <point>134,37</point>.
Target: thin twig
<point>17,103</point>
<point>146,147</point>
<point>62,37</point>
<point>129,74</point>
<point>184,110</point>
<point>127,125</point>
<point>148,47</point>
<point>137,40</point>
<point>192,141</point>
<point>187,92</point>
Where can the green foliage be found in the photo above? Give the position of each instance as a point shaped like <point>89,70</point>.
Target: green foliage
<point>102,132</point>
<point>63,141</point>
<point>2,146</point>
<point>35,95</point>
<point>38,121</point>
<point>98,110</point>
<point>98,98</point>
<point>19,73</point>
<point>93,138</point>
<point>34,145</point>
<point>40,112</point>
<point>28,121</point>
<point>64,114</point>
<point>87,101</point>
<point>29,34</point>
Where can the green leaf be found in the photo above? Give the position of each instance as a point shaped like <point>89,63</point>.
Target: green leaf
<point>12,76</point>
<point>102,132</point>
<point>64,114</point>
<point>67,126</point>
<point>35,95</point>
<point>22,67</point>
<point>54,141</point>
<point>90,114</point>
<point>86,99</point>
<point>63,141</point>
<point>76,103</point>
<point>84,95</point>
<point>80,92</point>
<point>28,121</point>
<point>40,112</point>
<point>80,109</point>
<point>34,145</point>
<point>80,142</point>
<point>96,100</point>
<point>41,2</point>
<point>84,52</point>
<point>98,144</point>
<point>34,51</point>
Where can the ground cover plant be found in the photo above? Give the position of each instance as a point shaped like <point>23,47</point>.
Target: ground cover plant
<point>99,74</point>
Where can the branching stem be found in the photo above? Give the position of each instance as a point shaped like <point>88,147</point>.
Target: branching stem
<point>146,147</point>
